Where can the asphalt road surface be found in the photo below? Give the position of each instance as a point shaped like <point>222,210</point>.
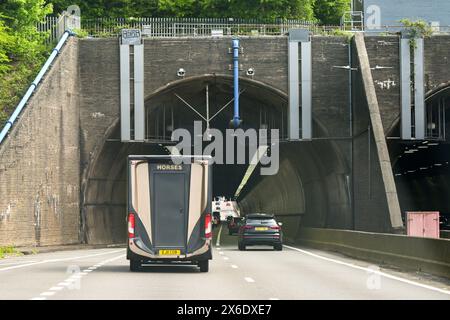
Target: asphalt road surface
<point>258,273</point>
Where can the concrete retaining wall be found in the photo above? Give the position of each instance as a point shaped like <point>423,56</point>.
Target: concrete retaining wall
<point>424,254</point>
<point>39,162</point>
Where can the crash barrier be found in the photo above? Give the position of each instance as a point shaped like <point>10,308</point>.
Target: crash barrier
<point>410,253</point>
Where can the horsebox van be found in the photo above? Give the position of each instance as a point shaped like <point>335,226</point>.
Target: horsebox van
<point>169,210</point>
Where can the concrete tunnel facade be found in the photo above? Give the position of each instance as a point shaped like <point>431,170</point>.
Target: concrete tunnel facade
<point>63,182</point>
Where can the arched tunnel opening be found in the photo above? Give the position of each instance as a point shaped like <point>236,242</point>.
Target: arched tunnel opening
<point>311,187</point>
<point>421,168</point>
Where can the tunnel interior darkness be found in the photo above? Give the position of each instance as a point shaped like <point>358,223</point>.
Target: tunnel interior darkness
<point>311,185</point>
<point>421,168</point>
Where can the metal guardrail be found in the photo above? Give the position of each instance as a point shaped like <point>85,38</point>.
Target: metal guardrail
<point>205,27</point>
<point>34,85</point>
<point>167,27</point>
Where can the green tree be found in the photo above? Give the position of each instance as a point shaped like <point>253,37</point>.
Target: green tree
<point>22,48</point>
<point>246,9</point>
<point>330,11</point>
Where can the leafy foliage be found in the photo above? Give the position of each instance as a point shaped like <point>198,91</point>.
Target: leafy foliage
<point>330,11</point>
<point>248,9</point>
<point>419,28</point>
<point>22,48</point>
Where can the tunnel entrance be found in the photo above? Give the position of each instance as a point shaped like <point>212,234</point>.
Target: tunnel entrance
<point>312,185</point>
<point>421,168</point>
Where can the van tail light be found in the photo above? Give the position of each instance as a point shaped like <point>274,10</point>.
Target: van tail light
<point>208,226</point>
<point>131,223</point>
<point>275,228</point>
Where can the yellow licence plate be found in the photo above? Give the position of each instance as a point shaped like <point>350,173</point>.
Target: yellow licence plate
<point>169,252</point>
<point>261,228</point>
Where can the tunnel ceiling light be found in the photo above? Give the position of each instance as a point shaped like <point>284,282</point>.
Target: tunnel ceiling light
<point>423,168</point>
<point>260,152</point>
<point>438,164</point>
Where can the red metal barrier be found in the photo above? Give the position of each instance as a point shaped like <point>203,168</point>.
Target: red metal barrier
<point>423,224</point>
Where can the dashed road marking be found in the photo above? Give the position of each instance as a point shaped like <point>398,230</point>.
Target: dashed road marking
<point>248,279</point>
<point>221,253</point>
<point>234,266</point>
<point>73,278</point>
<point>225,258</point>
<point>369,270</point>
<point>56,288</point>
<point>64,284</point>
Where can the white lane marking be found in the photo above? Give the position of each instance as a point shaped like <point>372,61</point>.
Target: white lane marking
<point>218,236</point>
<point>274,299</point>
<point>221,252</point>
<point>17,262</point>
<point>414,283</point>
<point>225,258</point>
<point>48,293</point>
<point>59,260</point>
<point>88,270</point>
<point>248,279</point>
<point>234,266</point>
<point>56,288</point>
<point>92,268</point>
<point>39,298</point>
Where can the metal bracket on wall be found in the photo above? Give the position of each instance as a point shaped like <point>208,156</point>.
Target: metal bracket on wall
<point>415,46</point>
<point>303,37</point>
<point>128,39</point>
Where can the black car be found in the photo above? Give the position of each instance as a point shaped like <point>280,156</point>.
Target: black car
<point>260,229</point>
<point>233,224</point>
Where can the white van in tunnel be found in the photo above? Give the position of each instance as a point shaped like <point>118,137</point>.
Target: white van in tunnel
<point>169,210</point>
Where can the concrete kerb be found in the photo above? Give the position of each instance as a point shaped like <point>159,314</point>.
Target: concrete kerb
<point>45,249</point>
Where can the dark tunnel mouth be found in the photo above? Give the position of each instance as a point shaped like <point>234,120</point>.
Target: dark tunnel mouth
<point>421,168</point>
<point>104,187</point>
